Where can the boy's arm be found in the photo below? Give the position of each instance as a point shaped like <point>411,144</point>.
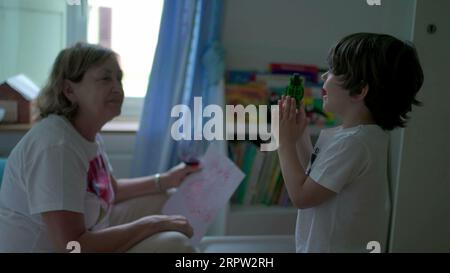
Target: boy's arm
<point>304,148</point>
<point>303,191</point>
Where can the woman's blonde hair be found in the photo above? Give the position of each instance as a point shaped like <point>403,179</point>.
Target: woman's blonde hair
<point>71,64</point>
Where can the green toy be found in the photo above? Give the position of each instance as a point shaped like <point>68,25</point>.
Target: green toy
<point>295,89</point>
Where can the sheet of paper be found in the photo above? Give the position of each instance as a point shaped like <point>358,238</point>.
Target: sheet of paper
<point>203,194</point>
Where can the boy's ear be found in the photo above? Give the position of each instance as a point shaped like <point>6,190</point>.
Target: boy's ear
<point>362,95</point>
<point>68,90</point>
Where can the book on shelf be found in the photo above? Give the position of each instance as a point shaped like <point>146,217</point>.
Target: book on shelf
<point>309,72</point>
<point>270,192</point>
<point>254,176</point>
<point>265,178</point>
<point>263,182</point>
<point>246,167</point>
<point>245,94</point>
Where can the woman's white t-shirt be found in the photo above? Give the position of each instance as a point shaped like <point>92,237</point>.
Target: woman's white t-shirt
<point>353,163</point>
<point>52,168</point>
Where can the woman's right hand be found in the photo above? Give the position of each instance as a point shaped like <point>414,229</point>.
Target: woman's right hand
<point>169,223</point>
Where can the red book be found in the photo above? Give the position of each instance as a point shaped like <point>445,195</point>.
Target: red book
<point>309,72</point>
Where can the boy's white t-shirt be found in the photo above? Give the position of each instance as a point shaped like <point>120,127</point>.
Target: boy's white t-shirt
<point>353,163</point>
<point>52,168</point>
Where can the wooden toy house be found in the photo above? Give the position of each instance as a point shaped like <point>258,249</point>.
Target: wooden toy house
<point>17,96</point>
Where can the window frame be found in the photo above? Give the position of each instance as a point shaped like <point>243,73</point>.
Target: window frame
<point>77,28</point>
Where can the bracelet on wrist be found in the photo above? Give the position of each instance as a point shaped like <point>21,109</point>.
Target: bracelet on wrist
<point>158,182</point>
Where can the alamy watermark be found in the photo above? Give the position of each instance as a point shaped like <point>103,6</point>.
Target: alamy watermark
<point>374,247</point>
<point>74,246</point>
<point>184,129</point>
<point>73,2</point>
<point>373,2</point>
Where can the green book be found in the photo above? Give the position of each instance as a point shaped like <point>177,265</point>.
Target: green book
<point>247,163</point>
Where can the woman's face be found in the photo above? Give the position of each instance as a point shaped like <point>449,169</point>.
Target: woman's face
<point>100,94</point>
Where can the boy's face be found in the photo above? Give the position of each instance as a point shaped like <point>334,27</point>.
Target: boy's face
<point>336,99</point>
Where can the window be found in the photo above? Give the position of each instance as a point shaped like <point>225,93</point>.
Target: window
<point>131,29</point>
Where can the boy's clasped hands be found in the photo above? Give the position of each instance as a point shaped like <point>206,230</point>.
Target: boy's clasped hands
<point>292,121</point>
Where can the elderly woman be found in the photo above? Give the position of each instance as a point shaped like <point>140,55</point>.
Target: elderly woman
<point>58,186</point>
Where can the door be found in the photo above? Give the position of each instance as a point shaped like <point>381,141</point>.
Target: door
<point>421,215</point>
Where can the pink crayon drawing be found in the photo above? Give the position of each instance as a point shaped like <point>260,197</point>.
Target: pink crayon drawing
<point>203,194</point>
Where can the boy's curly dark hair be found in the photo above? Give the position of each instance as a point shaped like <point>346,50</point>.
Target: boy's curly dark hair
<point>389,67</point>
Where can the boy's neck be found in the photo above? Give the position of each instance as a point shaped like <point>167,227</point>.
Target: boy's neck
<point>357,118</point>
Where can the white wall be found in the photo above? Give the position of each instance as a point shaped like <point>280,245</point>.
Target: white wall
<point>32,33</point>
<point>257,32</point>
<point>422,214</point>
<point>120,149</point>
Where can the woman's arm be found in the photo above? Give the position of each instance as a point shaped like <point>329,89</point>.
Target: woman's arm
<point>133,187</point>
<point>66,226</point>
<point>125,189</point>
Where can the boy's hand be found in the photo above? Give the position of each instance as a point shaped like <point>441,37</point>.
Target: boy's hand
<point>173,177</point>
<point>292,121</point>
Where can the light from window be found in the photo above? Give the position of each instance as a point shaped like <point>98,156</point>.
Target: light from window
<point>131,29</point>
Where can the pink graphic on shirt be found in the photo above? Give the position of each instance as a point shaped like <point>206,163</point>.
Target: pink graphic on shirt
<point>99,182</point>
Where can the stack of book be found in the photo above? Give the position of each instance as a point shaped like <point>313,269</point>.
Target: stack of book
<point>251,93</point>
<point>263,183</point>
<point>309,72</point>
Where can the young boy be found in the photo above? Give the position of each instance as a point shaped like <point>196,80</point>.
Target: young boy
<point>343,193</point>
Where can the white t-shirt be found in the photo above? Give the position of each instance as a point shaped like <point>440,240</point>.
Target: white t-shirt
<point>52,168</point>
<point>353,163</point>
